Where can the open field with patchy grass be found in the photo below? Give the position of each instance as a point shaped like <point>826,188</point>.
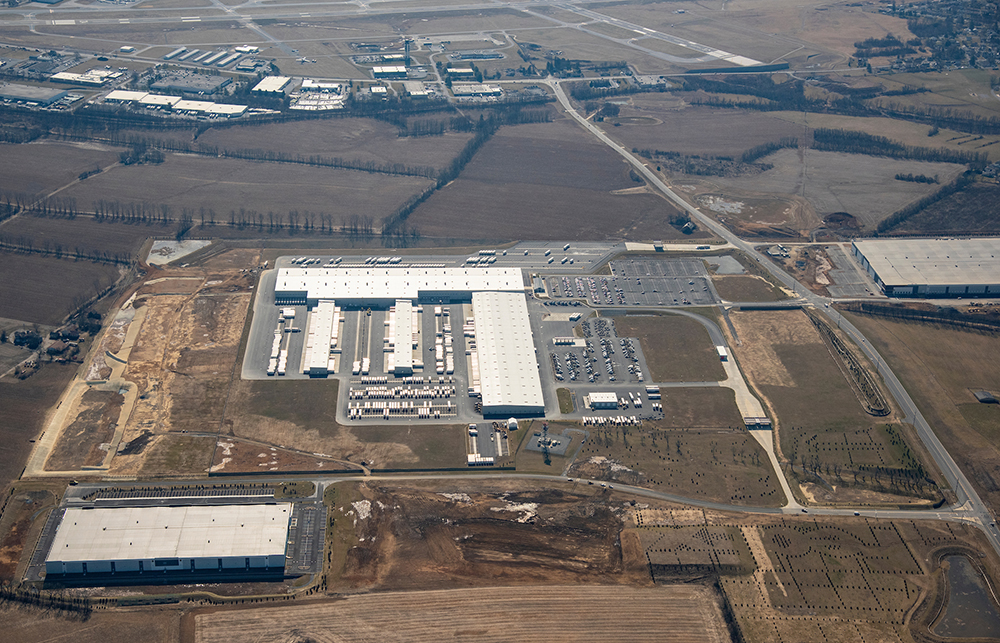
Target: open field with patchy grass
<point>81,440</point>
<point>677,126</point>
<point>677,349</point>
<point>31,625</point>
<point>545,181</point>
<point>746,288</point>
<point>226,185</point>
<point>974,210</point>
<point>863,186</point>
<point>698,408</point>
<point>662,614</point>
<point>84,233</point>
<point>822,426</point>
<point>940,368</point>
<point>721,465</point>
<point>43,290</point>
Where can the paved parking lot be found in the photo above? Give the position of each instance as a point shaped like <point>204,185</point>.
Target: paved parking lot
<point>634,290</point>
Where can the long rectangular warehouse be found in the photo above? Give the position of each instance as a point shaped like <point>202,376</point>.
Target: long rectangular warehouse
<point>163,539</point>
<point>383,286</point>
<point>321,339</point>
<point>508,370</point>
<point>932,267</point>
<point>403,338</point>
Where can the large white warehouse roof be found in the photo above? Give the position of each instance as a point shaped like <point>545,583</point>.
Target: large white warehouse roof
<point>933,266</point>
<point>136,533</point>
<point>508,372</point>
<point>346,284</point>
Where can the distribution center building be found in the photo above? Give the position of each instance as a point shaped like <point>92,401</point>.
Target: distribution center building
<point>184,539</point>
<point>508,374</point>
<point>932,267</point>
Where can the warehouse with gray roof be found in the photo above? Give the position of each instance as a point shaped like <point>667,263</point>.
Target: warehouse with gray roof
<point>948,268</point>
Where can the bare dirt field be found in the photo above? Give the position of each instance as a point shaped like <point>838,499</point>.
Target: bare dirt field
<point>941,367</point>
<point>41,289</point>
<point>863,186</point>
<point>24,405</point>
<point>39,168</point>
<point>31,625</point>
<point>86,234</point>
<point>544,181</point>
<point>665,614</point>
<point>80,443</point>
<point>698,408</point>
<point>677,349</point>
<point>974,210</point>
<point>348,138</point>
<point>225,185</point>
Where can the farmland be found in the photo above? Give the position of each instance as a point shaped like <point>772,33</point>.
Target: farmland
<point>677,349</point>
<point>37,169</point>
<point>544,181</point>
<point>941,367</point>
<point>974,210</point>
<point>663,614</point>
<point>43,290</point>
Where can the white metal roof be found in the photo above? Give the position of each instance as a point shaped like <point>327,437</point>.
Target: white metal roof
<point>272,84</point>
<point>508,372</point>
<point>125,95</point>
<point>604,397</point>
<point>159,99</point>
<point>226,109</point>
<point>403,335</point>
<point>346,284</point>
<point>934,262</point>
<point>139,533</point>
<point>193,105</point>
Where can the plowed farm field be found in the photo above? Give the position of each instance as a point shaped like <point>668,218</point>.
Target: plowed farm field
<point>662,614</point>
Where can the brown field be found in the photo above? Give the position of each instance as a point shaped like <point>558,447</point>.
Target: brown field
<point>85,233</point>
<point>863,186</point>
<point>544,181</point>
<point>302,414</point>
<point>19,524</point>
<point>23,407</point>
<point>31,625</point>
<point>821,422</point>
<point>80,441</point>
<point>940,368</point>
<point>39,168</point>
<point>721,465</point>
<point>226,185</point>
<point>975,209</point>
<point>677,349</point>
<point>43,290</point>
<point>705,131</point>
<point>666,614</point>
<point>348,138</point>
<point>745,288</point>
<point>699,408</point>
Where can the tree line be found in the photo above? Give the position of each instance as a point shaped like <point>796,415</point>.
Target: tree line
<point>853,142</point>
<point>960,183</point>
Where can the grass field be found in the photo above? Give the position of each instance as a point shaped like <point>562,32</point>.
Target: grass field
<point>43,290</point>
<point>940,368</point>
<point>664,614</point>
<point>744,288</point>
<point>677,349</point>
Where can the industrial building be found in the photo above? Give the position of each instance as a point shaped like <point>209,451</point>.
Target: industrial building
<point>603,400</point>
<point>92,77</point>
<point>179,539</point>
<point>381,287</point>
<point>191,83</point>
<point>272,85</point>
<point>30,94</point>
<point>932,267</point>
<point>389,71</point>
<point>476,89</point>
<point>508,371</point>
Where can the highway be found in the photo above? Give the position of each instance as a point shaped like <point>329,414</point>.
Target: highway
<point>969,507</point>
